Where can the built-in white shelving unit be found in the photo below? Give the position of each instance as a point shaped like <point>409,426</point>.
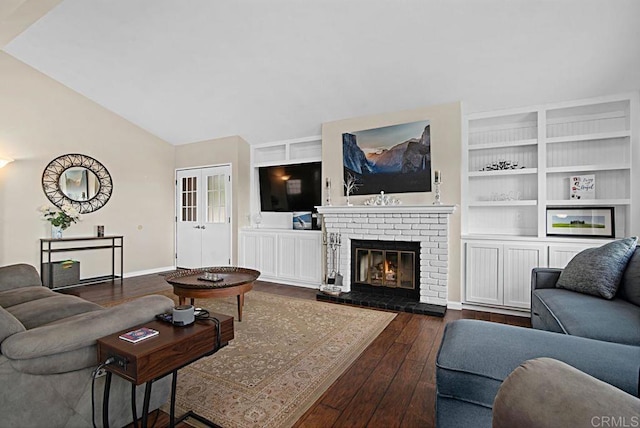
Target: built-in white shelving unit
<point>281,254</point>
<point>548,144</point>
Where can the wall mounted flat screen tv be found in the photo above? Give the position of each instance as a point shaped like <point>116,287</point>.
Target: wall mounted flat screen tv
<point>287,188</point>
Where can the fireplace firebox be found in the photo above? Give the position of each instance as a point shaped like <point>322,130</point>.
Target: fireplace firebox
<point>386,267</point>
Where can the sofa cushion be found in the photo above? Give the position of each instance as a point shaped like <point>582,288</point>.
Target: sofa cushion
<point>17,296</point>
<point>583,315</point>
<point>43,311</point>
<point>630,284</point>
<point>598,271</point>
<point>9,325</point>
<point>476,356</point>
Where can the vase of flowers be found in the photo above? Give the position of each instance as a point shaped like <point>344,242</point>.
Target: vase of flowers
<point>60,220</point>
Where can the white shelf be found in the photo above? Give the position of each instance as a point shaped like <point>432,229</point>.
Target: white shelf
<point>520,143</point>
<point>554,142</point>
<point>586,168</point>
<point>589,202</point>
<point>515,203</point>
<point>589,137</point>
<point>520,171</point>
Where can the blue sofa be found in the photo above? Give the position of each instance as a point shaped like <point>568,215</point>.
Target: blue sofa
<point>597,336</point>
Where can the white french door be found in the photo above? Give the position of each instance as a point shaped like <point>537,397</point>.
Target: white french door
<point>203,217</point>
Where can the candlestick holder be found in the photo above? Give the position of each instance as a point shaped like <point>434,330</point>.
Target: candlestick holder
<point>436,185</point>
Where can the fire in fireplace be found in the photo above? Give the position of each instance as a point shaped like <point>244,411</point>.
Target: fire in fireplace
<point>386,267</point>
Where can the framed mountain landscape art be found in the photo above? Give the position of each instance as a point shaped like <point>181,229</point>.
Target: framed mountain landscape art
<point>393,159</point>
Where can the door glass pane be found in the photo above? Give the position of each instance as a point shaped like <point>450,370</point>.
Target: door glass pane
<point>189,201</point>
<point>216,200</point>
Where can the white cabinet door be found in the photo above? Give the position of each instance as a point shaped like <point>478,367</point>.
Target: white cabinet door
<point>519,260</point>
<point>559,255</point>
<point>287,255</point>
<point>299,257</point>
<point>249,251</point>
<point>308,261</point>
<point>292,257</point>
<point>483,277</point>
<point>268,247</point>
<point>258,251</point>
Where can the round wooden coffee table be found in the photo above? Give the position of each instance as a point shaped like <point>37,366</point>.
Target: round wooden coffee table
<point>229,281</point>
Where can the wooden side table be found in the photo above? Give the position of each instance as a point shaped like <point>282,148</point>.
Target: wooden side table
<point>154,358</point>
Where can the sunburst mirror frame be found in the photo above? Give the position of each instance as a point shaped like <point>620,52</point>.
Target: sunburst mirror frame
<point>51,182</point>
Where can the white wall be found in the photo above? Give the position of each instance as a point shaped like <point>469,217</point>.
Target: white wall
<point>40,120</point>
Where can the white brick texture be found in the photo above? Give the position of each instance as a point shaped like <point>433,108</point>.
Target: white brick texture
<point>431,230</point>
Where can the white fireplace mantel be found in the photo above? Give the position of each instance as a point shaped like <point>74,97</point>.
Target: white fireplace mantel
<point>382,209</point>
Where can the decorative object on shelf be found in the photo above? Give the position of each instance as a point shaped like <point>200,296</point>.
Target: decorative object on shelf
<point>77,180</point>
<point>581,222</point>
<point>500,165</point>
<point>351,184</point>
<point>582,187</point>
<point>327,191</point>
<point>382,199</point>
<point>302,220</point>
<point>396,158</point>
<point>257,219</point>
<point>437,181</point>
<point>60,220</point>
<point>513,195</point>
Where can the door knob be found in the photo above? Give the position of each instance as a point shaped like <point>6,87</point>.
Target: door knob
<point>196,227</point>
<point>202,227</point>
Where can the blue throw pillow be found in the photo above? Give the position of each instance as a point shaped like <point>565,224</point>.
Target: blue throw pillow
<point>598,271</point>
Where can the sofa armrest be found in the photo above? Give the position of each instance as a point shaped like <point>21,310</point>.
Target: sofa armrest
<point>544,278</point>
<point>578,399</point>
<point>83,330</point>
<point>17,276</point>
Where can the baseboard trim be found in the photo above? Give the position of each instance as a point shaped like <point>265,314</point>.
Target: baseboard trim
<point>287,282</point>
<point>524,313</point>
<point>456,306</point>
<point>148,271</point>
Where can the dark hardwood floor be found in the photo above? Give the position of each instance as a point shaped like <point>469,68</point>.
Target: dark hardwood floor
<point>392,384</point>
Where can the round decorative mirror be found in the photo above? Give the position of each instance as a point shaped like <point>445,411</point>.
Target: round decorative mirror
<point>78,180</point>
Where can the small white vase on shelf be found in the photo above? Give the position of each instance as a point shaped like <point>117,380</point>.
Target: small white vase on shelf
<point>56,232</point>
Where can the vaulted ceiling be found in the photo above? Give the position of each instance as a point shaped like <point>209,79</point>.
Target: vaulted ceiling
<point>275,70</point>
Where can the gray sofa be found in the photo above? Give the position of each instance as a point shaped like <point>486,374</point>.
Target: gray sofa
<point>48,353</point>
<point>600,337</point>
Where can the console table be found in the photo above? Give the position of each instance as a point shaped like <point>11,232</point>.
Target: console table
<point>50,246</point>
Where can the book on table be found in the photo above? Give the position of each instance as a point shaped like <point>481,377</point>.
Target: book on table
<point>135,336</point>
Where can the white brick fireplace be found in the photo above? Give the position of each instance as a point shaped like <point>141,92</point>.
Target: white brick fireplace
<point>427,224</point>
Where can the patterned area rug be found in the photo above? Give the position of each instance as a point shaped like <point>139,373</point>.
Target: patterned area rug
<point>285,354</point>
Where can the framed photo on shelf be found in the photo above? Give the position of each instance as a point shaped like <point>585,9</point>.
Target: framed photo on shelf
<point>581,222</point>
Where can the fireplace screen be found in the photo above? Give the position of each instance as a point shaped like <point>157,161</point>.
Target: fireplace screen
<point>386,268</point>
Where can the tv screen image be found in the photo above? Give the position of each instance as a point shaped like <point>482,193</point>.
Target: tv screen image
<point>288,188</point>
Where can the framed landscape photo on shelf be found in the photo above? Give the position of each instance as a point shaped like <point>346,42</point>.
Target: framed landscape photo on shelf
<point>581,222</point>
